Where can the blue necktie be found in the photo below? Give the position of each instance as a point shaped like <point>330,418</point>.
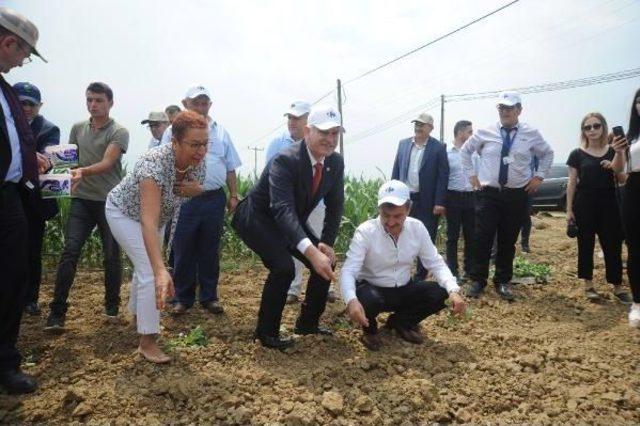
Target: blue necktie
<point>506,147</point>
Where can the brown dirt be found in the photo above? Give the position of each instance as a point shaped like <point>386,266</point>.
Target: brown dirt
<point>549,358</point>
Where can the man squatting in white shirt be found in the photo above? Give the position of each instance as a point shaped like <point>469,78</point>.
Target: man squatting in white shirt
<point>376,276</point>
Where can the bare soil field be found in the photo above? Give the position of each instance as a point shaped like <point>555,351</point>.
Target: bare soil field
<point>551,357</point>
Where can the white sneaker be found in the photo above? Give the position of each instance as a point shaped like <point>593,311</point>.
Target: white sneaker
<point>634,315</point>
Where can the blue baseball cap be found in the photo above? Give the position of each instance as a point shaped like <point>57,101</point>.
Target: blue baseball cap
<point>28,92</point>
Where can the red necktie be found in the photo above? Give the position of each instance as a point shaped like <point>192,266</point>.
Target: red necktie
<point>317,177</point>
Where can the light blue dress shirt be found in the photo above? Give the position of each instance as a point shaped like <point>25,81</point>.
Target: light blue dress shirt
<point>221,157</point>
<point>14,173</point>
<point>458,179</point>
<point>278,144</point>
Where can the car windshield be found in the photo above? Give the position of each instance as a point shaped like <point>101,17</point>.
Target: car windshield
<point>558,171</point>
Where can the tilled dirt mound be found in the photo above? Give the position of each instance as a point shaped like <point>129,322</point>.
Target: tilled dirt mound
<point>551,357</point>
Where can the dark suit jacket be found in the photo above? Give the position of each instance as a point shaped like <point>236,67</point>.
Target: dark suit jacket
<point>434,173</point>
<point>46,134</point>
<point>283,195</point>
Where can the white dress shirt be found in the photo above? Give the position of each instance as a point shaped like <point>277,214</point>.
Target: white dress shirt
<point>415,160</point>
<point>527,143</point>
<point>14,172</point>
<point>633,165</point>
<point>304,244</point>
<point>374,256</point>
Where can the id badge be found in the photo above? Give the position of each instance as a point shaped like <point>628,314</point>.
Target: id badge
<point>507,160</point>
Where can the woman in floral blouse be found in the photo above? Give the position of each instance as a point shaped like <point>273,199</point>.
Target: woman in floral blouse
<point>139,207</point>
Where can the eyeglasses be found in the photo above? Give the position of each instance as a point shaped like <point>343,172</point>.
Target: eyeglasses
<point>198,146</point>
<point>27,104</point>
<point>505,107</point>
<point>27,59</point>
<point>594,126</point>
<point>153,125</point>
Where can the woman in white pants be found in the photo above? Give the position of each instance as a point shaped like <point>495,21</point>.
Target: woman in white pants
<point>139,207</point>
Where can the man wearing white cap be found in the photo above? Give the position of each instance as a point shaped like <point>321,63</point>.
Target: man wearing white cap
<point>272,221</point>
<point>421,163</point>
<point>376,276</point>
<point>503,181</point>
<point>19,194</point>
<point>198,228</point>
<point>157,122</point>
<point>297,115</point>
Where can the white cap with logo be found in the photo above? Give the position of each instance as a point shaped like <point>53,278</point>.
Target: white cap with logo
<point>394,192</point>
<point>195,91</point>
<point>298,109</point>
<point>324,117</point>
<point>508,98</point>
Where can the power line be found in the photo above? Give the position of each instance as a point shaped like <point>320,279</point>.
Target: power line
<point>411,52</point>
<point>545,87</point>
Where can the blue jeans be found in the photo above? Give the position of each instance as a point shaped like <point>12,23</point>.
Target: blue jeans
<point>196,244</point>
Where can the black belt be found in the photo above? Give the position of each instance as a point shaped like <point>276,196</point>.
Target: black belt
<point>487,188</point>
<point>461,193</point>
<point>210,192</point>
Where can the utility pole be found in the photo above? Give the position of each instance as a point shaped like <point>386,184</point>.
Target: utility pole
<point>255,150</point>
<point>341,121</point>
<point>442,118</point>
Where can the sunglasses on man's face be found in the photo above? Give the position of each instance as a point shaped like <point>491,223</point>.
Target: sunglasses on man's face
<point>589,127</point>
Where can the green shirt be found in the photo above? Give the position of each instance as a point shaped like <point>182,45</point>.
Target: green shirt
<point>92,145</point>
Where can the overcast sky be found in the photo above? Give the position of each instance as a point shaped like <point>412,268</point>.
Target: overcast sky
<point>257,56</point>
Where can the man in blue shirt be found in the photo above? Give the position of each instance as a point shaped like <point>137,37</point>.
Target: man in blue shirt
<point>46,134</point>
<point>460,202</point>
<point>198,229</point>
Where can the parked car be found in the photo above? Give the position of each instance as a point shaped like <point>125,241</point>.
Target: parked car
<point>552,194</point>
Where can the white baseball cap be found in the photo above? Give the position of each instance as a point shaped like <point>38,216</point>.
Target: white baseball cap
<point>423,118</point>
<point>394,192</point>
<point>195,91</point>
<point>298,109</point>
<point>509,98</point>
<point>324,117</point>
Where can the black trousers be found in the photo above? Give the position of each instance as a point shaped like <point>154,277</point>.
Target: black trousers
<point>84,216</point>
<point>261,234</point>
<point>460,213</point>
<point>499,213</point>
<point>410,303</point>
<point>36,225</point>
<point>525,231</point>
<point>13,264</point>
<point>597,213</point>
<point>631,215</point>
<point>430,221</point>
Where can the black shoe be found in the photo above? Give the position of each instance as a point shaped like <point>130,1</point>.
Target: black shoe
<point>303,331</point>
<point>55,323</point>
<point>623,297</point>
<point>111,311</point>
<point>213,307</point>
<point>274,342</point>
<point>32,309</point>
<point>475,289</point>
<point>526,248</point>
<point>504,291</point>
<point>16,382</point>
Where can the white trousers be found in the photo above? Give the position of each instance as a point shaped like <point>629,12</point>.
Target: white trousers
<point>315,223</point>
<point>142,299</point>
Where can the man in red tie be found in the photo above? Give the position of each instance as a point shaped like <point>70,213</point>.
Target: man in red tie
<point>272,221</point>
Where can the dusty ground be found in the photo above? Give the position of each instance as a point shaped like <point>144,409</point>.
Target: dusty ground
<point>549,358</point>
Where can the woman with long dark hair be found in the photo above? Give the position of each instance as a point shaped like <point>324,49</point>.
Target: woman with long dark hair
<point>592,205</point>
<point>627,158</point>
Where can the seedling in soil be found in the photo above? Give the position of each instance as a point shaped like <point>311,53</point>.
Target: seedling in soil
<point>453,319</point>
<point>193,339</point>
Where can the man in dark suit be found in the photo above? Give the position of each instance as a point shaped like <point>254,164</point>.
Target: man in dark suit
<point>421,163</point>
<point>46,134</point>
<point>19,166</point>
<point>272,221</point>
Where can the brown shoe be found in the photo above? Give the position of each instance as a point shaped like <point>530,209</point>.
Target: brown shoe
<point>373,342</point>
<point>331,296</point>
<point>410,334</point>
<point>292,298</point>
<point>179,309</point>
<point>214,307</point>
